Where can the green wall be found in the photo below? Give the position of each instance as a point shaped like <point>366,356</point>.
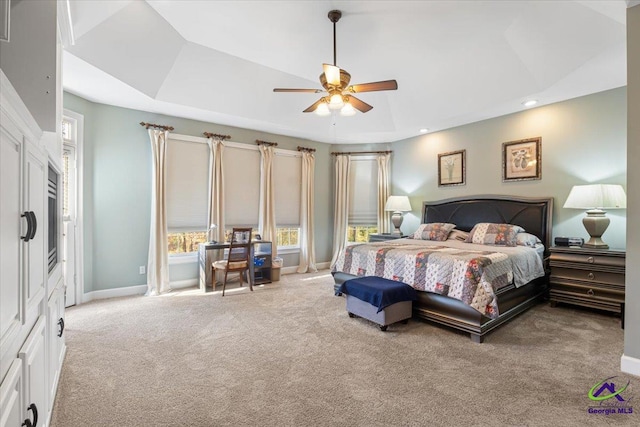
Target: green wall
<point>117,191</point>
<point>584,140</point>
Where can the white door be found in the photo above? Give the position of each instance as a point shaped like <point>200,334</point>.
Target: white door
<point>69,235</point>
<point>69,261</point>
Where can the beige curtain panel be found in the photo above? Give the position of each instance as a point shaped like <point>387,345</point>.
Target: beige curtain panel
<point>341,206</point>
<point>267,215</point>
<point>216,189</point>
<point>158,263</point>
<point>307,248</point>
<point>384,174</point>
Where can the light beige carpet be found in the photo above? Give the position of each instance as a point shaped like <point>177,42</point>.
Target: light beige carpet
<point>287,354</point>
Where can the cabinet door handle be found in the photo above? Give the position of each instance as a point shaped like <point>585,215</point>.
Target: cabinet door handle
<point>27,235</point>
<point>590,292</point>
<point>61,325</point>
<point>591,276</point>
<point>27,423</point>
<point>35,225</point>
<point>590,260</point>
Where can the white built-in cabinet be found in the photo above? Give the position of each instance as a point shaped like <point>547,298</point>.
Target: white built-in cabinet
<point>11,413</point>
<point>32,345</point>
<point>56,341</point>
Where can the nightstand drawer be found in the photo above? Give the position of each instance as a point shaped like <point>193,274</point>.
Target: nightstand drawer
<point>587,259</point>
<point>606,277</point>
<point>587,295</point>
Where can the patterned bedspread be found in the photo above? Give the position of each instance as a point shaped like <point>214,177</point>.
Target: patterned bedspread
<point>466,275</point>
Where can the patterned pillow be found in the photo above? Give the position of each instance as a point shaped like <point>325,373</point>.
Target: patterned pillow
<point>526,239</point>
<point>434,231</point>
<point>485,233</point>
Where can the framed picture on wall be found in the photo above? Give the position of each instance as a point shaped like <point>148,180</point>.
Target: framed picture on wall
<point>452,168</point>
<point>522,160</point>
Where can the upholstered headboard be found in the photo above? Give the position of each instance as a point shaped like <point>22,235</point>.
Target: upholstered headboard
<point>532,214</point>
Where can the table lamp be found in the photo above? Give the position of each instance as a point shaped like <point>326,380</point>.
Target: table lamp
<point>397,205</point>
<point>595,198</point>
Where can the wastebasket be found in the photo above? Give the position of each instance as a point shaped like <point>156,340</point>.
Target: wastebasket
<point>276,265</point>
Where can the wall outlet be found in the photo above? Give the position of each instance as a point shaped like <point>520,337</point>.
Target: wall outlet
<point>142,269</point>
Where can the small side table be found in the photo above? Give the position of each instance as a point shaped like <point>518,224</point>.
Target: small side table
<point>588,277</point>
<point>381,237</point>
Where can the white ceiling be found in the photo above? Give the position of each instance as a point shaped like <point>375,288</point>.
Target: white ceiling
<point>455,62</point>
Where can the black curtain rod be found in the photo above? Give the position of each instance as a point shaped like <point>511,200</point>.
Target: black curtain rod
<point>153,125</point>
<point>343,153</point>
<point>216,135</point>
<point>267,143</point>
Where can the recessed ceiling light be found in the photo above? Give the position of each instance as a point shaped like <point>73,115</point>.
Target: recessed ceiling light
<point>424,130</point>
<point>530,103</point>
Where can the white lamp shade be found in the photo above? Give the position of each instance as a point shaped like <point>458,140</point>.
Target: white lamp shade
<point>398,204</point>
<point>323,109</point>
<point>347,110</point>
<point>336,102</point>
<point>602,196</point>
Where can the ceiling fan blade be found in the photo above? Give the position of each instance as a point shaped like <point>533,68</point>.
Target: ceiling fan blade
<point>313,107</point>
<point>278,89</point>
<point>359,105</point>
<point>374,86</point>
<point>332,74</point>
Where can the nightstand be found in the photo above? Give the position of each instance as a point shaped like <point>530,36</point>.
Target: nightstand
<point>588,277</point>
<point>384,236</point>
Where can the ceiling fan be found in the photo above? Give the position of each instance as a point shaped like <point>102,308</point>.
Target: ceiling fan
<point>335,82</point>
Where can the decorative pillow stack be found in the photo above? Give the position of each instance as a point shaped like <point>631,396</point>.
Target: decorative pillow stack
<point>485,233</point>
<point>434,231</point>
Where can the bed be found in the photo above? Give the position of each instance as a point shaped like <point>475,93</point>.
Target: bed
<point>506,298</point>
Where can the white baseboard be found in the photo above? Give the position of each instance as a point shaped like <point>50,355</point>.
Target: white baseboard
<point>184,283</point>
<point>294,268</point>
<point>289,270</point>
<point>630,365</point>
<point>114,293</point>
<point>133,290</point>
<point>141,289</point>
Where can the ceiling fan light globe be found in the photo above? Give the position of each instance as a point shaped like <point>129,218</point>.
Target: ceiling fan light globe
<point>347,110</point>
<point>336,102</point>
<point>323,109</point>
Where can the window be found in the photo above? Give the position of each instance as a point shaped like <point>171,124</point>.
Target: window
<point>187,186</point>
<point>241,186</point>
<point>363,199</point>
<point>360,234</point>
<point>186,241</point>
<point>288,237</point>
<point>287,182</point>
<point>68,134</point>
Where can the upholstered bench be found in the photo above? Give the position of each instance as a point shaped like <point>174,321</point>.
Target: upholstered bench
<point>379,300</point>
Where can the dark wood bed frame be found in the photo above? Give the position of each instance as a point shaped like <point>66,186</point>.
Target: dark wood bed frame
<point>533,214</point>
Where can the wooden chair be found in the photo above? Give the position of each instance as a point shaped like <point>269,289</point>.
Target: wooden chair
<point>238,258</point>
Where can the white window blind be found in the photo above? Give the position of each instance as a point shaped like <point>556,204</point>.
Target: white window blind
<point>363,191</point>
<point>287,179</point>
<point>241,186</point>
<point>187,172</point>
